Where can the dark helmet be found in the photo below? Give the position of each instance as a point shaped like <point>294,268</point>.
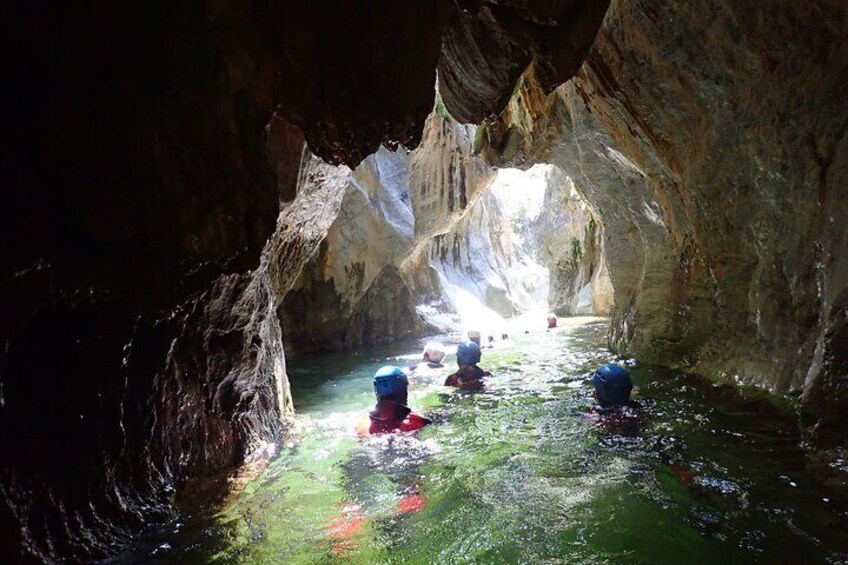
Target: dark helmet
<point>468,353</point>
<point>389,381</point>
<point>612,384</point>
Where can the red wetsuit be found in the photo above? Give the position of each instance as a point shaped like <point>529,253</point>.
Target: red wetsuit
<point>626,419</point>
<point>391,416</point>
<point>468,377</point>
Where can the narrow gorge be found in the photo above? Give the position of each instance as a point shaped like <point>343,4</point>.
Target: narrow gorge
<point>204,201</point>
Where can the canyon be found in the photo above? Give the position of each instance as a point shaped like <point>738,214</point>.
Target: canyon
<point>196,193</point>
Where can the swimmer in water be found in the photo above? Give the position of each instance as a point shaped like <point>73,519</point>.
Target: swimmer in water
<point>432,357</point>
<point>615,411</point>
<point>469,375</point>
<point>391,413</point>
<point>618,413</point>
<point>613,386</point>
<point>552,321</point>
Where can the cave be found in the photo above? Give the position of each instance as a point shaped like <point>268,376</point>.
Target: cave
<point>201,199</point>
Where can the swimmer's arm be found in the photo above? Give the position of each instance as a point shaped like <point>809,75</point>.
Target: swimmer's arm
<point>419,419</point>
<point>363,427</point>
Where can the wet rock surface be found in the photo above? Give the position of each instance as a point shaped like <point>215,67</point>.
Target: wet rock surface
<point>228,357</point>
<point>354,78</point>
<point>570,242</point>
<point>136,174</point>
<point>718,170</point>
<point>488,45</point>
<point>473,256</point>
<point>356,289</point>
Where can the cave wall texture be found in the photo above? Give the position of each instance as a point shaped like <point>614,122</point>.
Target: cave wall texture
<point>463,238</point>
<point>147,153</point>
<point>569,239</point>
<point>474,256</point>
<point>369,233</point>
<point>712,139</point>
<point>358,287</point>
<point>150,148</point>
<point>138,350</point>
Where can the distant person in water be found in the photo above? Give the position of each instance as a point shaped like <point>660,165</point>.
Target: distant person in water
<point>552,320</point>
<point>432,357</point>
<point>474,335</point>
<point>613,386</point>
<point>391,413</point>
<point>469,375</point>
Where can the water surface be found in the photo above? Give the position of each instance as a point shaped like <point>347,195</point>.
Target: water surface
<point>518,474</point>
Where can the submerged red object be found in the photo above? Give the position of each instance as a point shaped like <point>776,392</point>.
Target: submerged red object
<point>411,504</point>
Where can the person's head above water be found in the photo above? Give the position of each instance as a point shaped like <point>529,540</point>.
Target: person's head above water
<point>552,320</point>
<point>390,381</point>
<point>612,385</point>
<point>474,335</point>
<point>433,352</point>
<point>467,353</point>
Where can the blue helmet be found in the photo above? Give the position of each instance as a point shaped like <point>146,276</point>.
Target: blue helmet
<point>612,384</point>
<point>468,353</point>
<point>390,380</point>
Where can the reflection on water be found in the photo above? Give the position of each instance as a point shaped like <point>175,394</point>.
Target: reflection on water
<point>518,474</point>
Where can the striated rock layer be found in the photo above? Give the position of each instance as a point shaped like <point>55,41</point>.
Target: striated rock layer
<point>570,242</point>
<point>458,273</point>
<point>491,263</point>
<point>370,230</point>
<point>712,140</point>
<point>353,77</point>
<point>353,291</point>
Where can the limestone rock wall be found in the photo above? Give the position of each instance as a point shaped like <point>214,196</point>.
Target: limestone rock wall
<point>148,149</point>
<point>137,181</point>
<point>229,357</point>
<point>466,266</point>
<point>354,78</point>
<point>354,290</point>
<point>570,242</point>
<point>445,176</point>
<point>711,140</point>
<point>365,234</point>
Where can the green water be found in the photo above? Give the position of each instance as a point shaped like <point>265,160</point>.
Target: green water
<point>517,474</point>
